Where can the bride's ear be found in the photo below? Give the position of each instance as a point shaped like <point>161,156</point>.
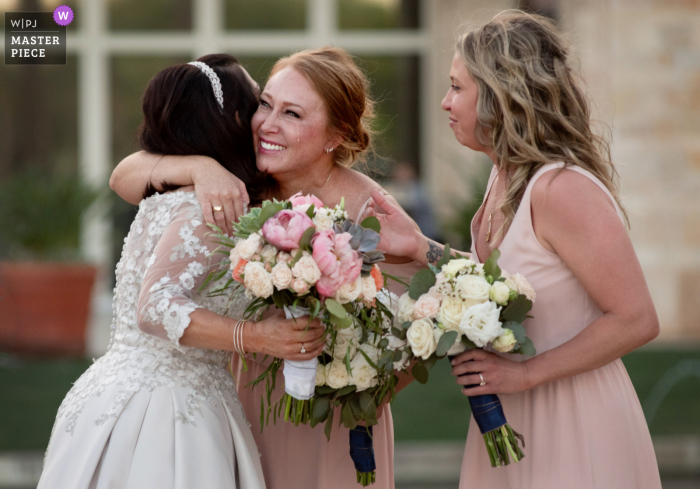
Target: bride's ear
<point>335,139</point>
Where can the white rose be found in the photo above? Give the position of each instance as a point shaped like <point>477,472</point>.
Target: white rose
<point>403,363</point>
<point>268,254</point>
<point>307,269</point>
<point>336,375</point>
<point>480,323</point>
<point>499,293</point>
<point>370,351</point>
<point>369,290</point>
<point>406,305</point>
<point>323,219</point>
<point>473,289</point>
<point>235,257</point>
<point>300,286</point>
<point>451,268</point>
<point>524,287</point>
<point>349,292</point>
<point>282,276</point>
<point>451,311</point>
<point>457,348</point>
<point>284,257</point>
<point>257,279</point>
<point>363,375</point>
<point>509,281</point>
<point>320,374</point>
<point>344,338</point>
<point>394,342</point>
<point>427,306</point>
<point>249,247</point>
<point>506,342</point>
<point>421,338</point>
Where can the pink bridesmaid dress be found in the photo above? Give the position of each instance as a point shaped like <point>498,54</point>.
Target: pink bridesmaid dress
<point>300,457</point>
<point>586,431</point>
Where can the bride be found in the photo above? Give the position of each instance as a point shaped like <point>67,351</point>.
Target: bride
<point>159,409</point>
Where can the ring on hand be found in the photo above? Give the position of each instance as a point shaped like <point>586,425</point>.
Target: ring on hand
<point>482,380</point>
<point>218,208</point>
<point>303,350</point>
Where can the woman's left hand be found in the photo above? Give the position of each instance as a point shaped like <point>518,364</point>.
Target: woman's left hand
<point>501,376</point>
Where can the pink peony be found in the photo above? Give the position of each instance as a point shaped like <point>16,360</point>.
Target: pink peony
<point>305,201</point>
<point>284,229</point>
<point>338,262</point>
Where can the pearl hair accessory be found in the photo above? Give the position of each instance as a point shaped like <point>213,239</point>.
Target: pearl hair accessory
<point>215,82</point>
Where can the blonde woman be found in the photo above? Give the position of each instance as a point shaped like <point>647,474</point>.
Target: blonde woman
<point>552,208</point>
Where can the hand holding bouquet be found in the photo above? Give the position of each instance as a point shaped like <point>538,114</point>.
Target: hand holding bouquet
<point>459,304</point>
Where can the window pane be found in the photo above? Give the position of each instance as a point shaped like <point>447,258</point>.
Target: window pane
<point>130,75</point>
<point>38,117</point>
<point>265,14</point>
<point>150,14</point>
<point>378,14</point>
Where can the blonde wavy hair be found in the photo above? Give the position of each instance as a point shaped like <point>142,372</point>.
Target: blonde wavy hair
<point>530,108</point>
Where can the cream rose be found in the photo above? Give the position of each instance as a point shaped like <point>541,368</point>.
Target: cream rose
<point>363,375</point>
<point>369,289</point>
<point>524,287</point>
<point>282,276</point>
<point>300,286</point>
<point>320,374</point>
<point>268,254</point>
<point>370,351</point>
<point>473,289</point>
<point>499,293</point>
<point>453,267</point>
<point>451,311</point>
<point>349,292</point>
<point>480,323</point>
<point>421,338</point>
<point>336,375</point>
<point>234,257</point>
<point>307,269</point>
<point>406,305</point>
<point>506,342</point>
<point>249,247</point>
<point>427,306</point>
<point>257,279</point>
<point>284,257</point>
<point>323,220</point>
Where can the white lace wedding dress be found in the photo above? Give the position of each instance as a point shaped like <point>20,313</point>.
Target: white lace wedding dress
<point>152,413</point>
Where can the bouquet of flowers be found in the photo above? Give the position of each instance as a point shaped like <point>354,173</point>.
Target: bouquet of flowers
<point>459,304</point>
<point>312,260</point>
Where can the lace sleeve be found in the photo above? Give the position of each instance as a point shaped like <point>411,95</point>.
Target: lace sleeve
<point>174,272</point>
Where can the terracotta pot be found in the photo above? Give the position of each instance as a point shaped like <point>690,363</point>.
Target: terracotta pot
<point>44,307</point>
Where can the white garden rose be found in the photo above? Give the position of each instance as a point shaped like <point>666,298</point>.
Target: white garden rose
<point>268,254</point>
<point>363,375</point>
<point>323,220</point>
<point>320,374</point>
<point>499,293</point>
<point>344,337</point>
<point>349,292</point>
<point>284,257</point>
<point>451,311</point>
<point>257,279</point>
<point>427,306</point>
<point>281,276</point>
<point>394,342</point>
<point>506,342</point>
<point>453,267</point>
<point>300,286</point>
<point>370,351</point>
<point>473,289</point>
<point>369,290</point>
<point>336,375</point>
<point>421,338</point>
<point>234,257</point>
<point>524,287</point>
<point>509,281</point>
<point>457,346</point>
<point>404,362</point>
<point>480,323</point>
<point>307,270</point>
<point>250,246</point>
<point>406,305</point>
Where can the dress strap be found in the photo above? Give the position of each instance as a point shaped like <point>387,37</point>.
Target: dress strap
<point>364,206</point>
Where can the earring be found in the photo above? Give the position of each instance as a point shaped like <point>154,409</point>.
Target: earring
<point>328,150</point>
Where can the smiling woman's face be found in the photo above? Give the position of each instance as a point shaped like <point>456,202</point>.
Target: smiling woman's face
<point>290,127</point>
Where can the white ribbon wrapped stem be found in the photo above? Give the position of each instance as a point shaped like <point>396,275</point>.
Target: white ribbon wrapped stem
<point>299,377</point>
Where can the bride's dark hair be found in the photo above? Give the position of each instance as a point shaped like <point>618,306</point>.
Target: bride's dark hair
<point>182,117</point>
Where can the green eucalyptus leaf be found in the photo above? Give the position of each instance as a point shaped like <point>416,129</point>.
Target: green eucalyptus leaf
<point>527,348</point>
<point>420,373</point>
<point>491,265</point>
<point>310,211</point>
<point>372,223</point>
<point>446,341</point>
<point>421,283</point>
<point>329,425</point>
<point>336,309</point>
<point>322,406</point>
<point>349,420</point>
<point>517,329</point>
<point>517,309</point>
<point>305,240</point>
<point>269,211</point>
<point>445,256</point>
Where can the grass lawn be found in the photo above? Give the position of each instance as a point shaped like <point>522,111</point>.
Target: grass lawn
<point>32,390</point>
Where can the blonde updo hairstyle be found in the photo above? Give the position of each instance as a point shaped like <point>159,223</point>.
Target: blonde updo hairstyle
<point>344,89</point>
<point>530,108</point>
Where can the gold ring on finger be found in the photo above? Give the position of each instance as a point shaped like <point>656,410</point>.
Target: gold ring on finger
<point>218,208</point>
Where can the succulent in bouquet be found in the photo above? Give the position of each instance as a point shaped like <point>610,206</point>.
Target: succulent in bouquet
<point>459,304</point>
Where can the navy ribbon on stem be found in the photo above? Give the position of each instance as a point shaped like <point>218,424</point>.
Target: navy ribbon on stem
<point>362,449</point>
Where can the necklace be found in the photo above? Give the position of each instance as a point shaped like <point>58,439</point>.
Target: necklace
<point>328,179</point>
<point>488,232</point>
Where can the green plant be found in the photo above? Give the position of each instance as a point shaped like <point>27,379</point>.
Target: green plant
<point>41,215</point>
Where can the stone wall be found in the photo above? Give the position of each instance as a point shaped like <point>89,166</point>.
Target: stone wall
<point>641,63</point>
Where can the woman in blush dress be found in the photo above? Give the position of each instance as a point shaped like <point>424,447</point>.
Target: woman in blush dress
<point>552,209</point>
<point>312,125</point>
<point>159,410</point>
